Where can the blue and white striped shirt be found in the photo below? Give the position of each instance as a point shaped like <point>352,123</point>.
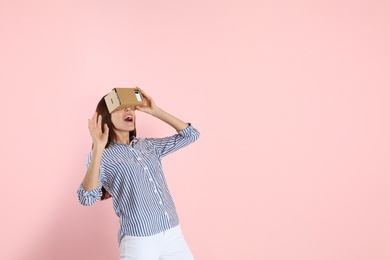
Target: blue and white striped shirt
<point>134,177</point>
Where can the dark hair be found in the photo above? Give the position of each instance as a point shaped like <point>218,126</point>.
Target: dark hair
<point>102,110</point>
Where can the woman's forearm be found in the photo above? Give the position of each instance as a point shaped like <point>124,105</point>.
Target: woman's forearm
<point>169,119</point>
<point>91,178</point>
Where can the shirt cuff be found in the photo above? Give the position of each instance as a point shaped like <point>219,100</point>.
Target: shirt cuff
<point>97,192</point>
<point>186,131</point>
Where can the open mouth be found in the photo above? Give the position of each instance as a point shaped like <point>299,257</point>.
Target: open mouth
<point>128,118</point>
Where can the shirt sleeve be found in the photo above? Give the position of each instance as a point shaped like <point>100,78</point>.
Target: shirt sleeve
<point>88,198</point>
<point>167,145</point>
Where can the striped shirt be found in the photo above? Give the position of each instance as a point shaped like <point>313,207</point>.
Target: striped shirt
<point>134,177</point>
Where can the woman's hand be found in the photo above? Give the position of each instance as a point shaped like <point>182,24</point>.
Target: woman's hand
<point>150,106</point>
<point>99,138</point>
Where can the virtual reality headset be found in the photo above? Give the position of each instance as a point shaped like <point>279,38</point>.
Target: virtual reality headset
<point>121,98</point>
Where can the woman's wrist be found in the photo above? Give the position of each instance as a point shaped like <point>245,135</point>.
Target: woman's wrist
<point>157,112</point>
<point>98,148</point>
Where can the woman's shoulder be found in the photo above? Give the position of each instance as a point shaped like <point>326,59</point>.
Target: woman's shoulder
<point>144,144</point>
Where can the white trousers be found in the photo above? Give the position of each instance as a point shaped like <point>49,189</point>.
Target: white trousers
<point>167,245</point>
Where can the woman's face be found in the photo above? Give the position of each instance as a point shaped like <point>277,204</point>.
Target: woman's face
<point>123,120</point>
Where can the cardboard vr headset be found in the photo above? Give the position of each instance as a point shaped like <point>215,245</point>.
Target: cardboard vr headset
<point>121,98</point>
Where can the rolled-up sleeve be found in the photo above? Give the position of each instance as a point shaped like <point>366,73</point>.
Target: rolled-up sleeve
<point>88,198</point>
<point>167,145</point>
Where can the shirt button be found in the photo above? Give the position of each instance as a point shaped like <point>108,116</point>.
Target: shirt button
<point>166,213</point>
<point>139,158</point>
<point>145,168</point>
<point>155,191</point>
<point>160,202</point>
<point>150,179</point>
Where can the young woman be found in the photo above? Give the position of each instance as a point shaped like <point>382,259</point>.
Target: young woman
<point>129,170</point>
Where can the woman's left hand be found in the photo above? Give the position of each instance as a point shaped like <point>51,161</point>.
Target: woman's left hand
<point>150,106</point>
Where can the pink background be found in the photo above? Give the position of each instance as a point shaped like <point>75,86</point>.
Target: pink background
<point>291,99</point>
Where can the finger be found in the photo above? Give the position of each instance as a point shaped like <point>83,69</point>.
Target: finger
<point>139,108</point>
<point>99,122</point>
<point>93,120</point>
<point>89,124</point>
<point>106,129</point>
<point>148,101</point>
<point>144,93</point>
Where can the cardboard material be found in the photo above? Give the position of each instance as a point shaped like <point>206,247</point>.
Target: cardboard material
<point>121,98</point>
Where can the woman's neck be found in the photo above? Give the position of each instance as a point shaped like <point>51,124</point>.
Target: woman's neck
<point>122,138</point>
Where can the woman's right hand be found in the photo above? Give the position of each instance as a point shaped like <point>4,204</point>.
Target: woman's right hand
<point>99,138</point>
